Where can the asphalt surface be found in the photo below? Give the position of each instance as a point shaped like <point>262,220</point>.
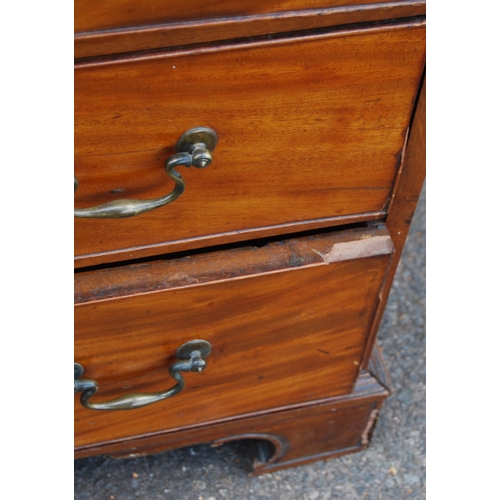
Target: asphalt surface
<point>393,467</point>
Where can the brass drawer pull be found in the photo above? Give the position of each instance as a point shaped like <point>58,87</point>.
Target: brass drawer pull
<point>194,148</point>
<point>192,359</point>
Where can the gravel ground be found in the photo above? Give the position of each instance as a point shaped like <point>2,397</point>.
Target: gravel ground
<point>393,467</point>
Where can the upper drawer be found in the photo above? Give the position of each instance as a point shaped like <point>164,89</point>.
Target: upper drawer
<point>92,15</point>
<point>119,26</point>
<point>310,134</point>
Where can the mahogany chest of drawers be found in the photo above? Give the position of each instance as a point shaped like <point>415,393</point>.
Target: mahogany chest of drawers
<point>245,177</point>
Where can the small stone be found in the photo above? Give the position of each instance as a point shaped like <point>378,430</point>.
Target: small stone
<point>199,485</point>
<point>405,396</point>
<point>134,483</point>
<point>135,475</point>
<point>411,479</point>
<point>319,483</point>
<point>359,490</point>
<point>313,495</point>
<point>389,483</point>
<point>393,470</point>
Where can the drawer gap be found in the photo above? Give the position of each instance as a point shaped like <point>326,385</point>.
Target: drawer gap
<point>252,243</point>
<point>254,40</point>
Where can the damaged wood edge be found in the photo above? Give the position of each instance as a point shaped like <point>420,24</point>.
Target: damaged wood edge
<point>369,247</point>
<point>240,263</point>
<point>370,426</point>
<point>82,262</point>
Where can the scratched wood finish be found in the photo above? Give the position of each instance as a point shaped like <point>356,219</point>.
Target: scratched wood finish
<point>310,128</point>
<point>175,34</point>
<point>92,15</point>
<point>165,274</point>
<point>284,336</point>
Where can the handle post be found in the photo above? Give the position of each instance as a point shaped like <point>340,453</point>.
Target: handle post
<point>194,148</point>
<point>191,359</point>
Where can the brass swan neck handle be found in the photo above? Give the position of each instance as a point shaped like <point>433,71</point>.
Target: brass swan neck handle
<point>194,148</point>
<point>191,356</point>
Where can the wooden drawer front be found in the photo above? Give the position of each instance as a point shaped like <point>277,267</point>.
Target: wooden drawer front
<point>92,15</point>
<point>311,432</point>
<point>287,322</point>
<point>310,132</point>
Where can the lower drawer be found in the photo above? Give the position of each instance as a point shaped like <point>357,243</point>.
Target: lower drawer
<point>288,323</point>
<point>285,438</point>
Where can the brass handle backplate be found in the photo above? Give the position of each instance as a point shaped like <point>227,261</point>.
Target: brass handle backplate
<point>194,148</point>
<point>191,359</point>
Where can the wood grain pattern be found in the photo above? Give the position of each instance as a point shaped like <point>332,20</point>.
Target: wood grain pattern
<point>92,15</point>
<point>128,39</point>
<point>297,434</point>
<point>310,128</point>
<point>214,240</point>
<point>145,277</point>
<point>277,336</point>
<point>404,202</point>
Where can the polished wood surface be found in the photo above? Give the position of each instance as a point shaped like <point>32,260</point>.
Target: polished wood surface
<point>92,15</point>
<point>99,43</point>
<point>294,435</point>
<point>157,275</point>
<point>278,333</point>
<point>404,201</point>
<point>318,129</point>
<point>310,128</point>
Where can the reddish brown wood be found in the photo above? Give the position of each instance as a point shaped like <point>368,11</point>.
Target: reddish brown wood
<point>99,43</point>
<point>281,324</point>
<point>92,15</point>
<point>310,128</point>
<point>204,268</point>
<point>377,368</point>
<point>299,434</point>
<point>403,203</point>
<point>206,242</point>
